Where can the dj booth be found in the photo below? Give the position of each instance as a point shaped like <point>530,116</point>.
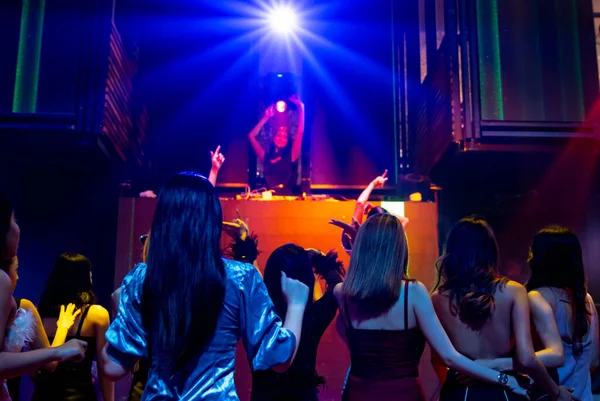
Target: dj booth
<point>303,222</point>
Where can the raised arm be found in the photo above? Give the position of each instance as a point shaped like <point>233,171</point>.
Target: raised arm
<point>438,340</point>
<point>268,343</point>
<point>126,336</point>
<point>260,152</point>
<point>297,144</point>
<point>217,159</point>
<point>64,323</point>
<point>363,199</point>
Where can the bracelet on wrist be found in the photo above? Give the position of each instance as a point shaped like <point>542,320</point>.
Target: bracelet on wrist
<point>502,379</point>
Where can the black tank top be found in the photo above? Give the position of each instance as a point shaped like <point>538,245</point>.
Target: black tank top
<point>70,381</point>
<point>385,354</point>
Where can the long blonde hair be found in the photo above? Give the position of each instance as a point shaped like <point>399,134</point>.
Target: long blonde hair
<point>378,265</point>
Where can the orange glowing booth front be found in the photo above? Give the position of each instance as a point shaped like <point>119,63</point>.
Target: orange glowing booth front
<point>304,223</point>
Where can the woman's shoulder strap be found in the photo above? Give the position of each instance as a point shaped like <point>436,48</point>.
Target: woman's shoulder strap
<point>83,316</point>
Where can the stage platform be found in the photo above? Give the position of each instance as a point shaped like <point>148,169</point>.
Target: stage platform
<point>303,222</point>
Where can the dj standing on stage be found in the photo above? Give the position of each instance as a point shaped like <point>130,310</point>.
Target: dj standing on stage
<point>281,156</point>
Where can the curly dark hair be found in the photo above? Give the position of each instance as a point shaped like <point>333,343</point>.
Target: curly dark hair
<point>468,271</point>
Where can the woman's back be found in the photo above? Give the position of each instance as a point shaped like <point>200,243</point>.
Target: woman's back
<point>575,373</point>
<point>247,312</point>
<point>495,339</point>
<point>385,350</point>
<point>73,381</point>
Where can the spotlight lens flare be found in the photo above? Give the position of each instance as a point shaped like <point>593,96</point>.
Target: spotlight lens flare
<point>280,106</point>
<point>283,20</point>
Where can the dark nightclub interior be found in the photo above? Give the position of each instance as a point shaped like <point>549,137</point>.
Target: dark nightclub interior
<point>486,108</point>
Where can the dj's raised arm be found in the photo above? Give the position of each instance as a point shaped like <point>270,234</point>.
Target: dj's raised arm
<point>260,152</point>
<point>297,144</point>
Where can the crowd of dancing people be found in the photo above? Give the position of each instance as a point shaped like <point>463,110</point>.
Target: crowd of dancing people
<point>181,312</point>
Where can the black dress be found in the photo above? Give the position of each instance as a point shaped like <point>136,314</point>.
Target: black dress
<point>301,381</point>
<point>70,381</point>
<point>385,363</point>
<point>280,172</point>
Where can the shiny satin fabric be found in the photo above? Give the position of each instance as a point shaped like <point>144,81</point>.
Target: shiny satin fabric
<point>247,312</point>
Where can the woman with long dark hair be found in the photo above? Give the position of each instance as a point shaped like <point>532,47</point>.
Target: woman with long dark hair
<point>186,309</point>
<point>558,275</point>
<point>301,382</point>
<point>70,281</point>
<point>386,318</point>
<point>487,316</point>
<point>16,324</point>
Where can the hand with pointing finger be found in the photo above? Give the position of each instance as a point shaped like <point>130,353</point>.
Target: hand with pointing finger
<point>217,159</point>
<point>380,181</point>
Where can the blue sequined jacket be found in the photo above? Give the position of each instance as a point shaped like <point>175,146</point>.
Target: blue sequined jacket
<point>247,313</point>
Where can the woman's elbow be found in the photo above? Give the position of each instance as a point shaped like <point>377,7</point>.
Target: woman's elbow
<point>450,359</point>
<point>112,371</point>
<point>109,369</point>
<point>558,360</point>
<point>51,367</point>
<point>526,361</point>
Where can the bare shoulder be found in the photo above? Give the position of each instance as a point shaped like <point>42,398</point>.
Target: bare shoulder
<point>511,288</point>
<point>418,288</point>
<point>588,298</point>
<point>438,299</point>
<point>5,283</point>
<point>591,304</point>
<point>28,305</point>
<point>538,302</point>
<point>337,291</point>
<point>99,315</point>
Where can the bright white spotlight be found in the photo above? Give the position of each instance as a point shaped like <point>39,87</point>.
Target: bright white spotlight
<point>283,20</point>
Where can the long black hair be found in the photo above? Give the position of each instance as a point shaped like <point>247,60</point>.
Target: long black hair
<point>6,212</point>
<point>468,271</point>
<point>69,282</point>
<point>184,286</point>
<point>295,262</point>
<point>556,261</point>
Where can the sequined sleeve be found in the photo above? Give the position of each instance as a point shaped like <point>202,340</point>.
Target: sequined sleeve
<point>266,341</point>
<point>126,336</point>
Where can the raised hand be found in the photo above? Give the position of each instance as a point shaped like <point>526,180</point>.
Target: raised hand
<point>294,292</point>
<point>270,111</point>
<point>380,181</point>
<point>73,350</point>
<point>67,316</point>
<point>296,100</point>
<point>217,158</point>
<point>351,229</point>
